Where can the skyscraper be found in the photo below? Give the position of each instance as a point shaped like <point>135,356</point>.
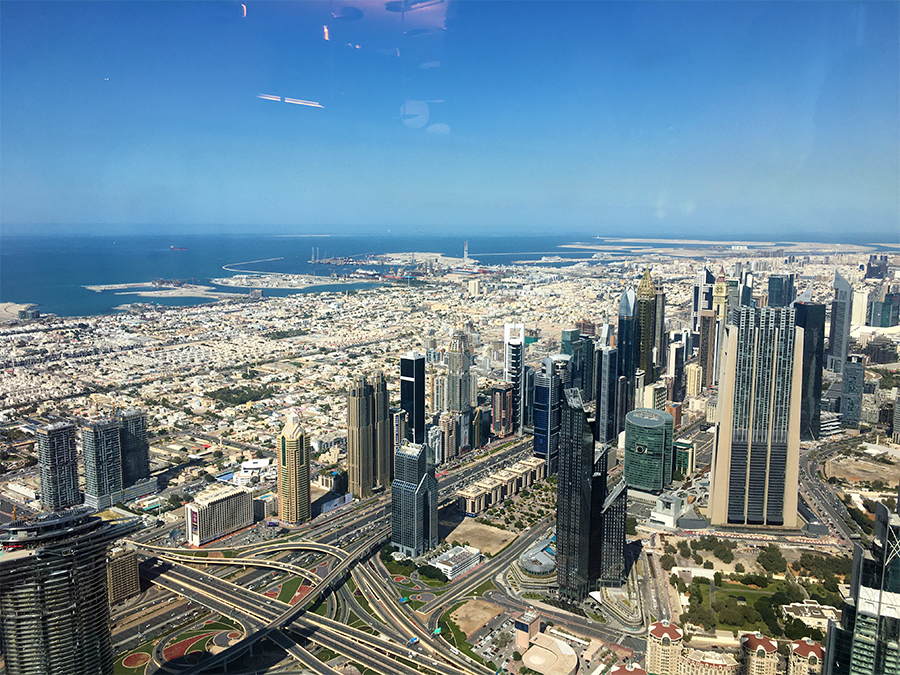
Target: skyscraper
<point>58,465</point>
<point>852,381</point>
<point>53,593</point>
<point>706,356</point>
<point>648,449</point>
<point>135,446</point>
<point>647,332</point>
<point>755,467</point>
<point>627,343</point>
<point>414,499</point>
<point>502,409</point>
<point>867,640</point>
<point>514,370</point>
<point>361,452</point>
<point>548,387</point>
<point>811,318</point>
<point>573,510</point>
<point>590,529</point>
<point>661,341</point>
<point>607,364</point>
<point>459,387</point>
<point>781,290</point>
<point>702,296</point>
<point>412,394</point>
<point>293,472</point>
<point>381,427</point>
<point>102,464</point>
<point>839,337</point>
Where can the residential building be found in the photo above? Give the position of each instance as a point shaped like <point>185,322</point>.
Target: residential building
<point>54,592</point>
<point>122,576</point>
<point>806,657</point>
<point>756,455</point>
<point>368,435</point>
<point>702,296</point>
<point>414,500</point>
<point>216,511</point>
<point>135,447</point>
<point>693,375</point>
<point>839,337</point>
<point>781,290</point>
<point>760,654</point>
<point>707,355</point>
<point>852,381</point>
<point>697,662</point>
<point>292,451</point>
<point>58,465</point>
<point>102,464</point>
<point>664,643</point>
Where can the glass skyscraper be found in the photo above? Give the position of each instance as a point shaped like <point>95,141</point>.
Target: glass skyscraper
<point>412,394</point>
<point>607,364</point>
<point>839,338</point>
<point>548,387</point>
<point>811,318</point>
<point>590,521</point>
<point>648,449</point>
<point>135,447</point>
<point>414,500</point>
<point>867,640</point>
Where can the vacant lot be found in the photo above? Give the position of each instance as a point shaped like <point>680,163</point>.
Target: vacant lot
<point>474,614</point>
<point>485,538</point>
<point>855,470</point>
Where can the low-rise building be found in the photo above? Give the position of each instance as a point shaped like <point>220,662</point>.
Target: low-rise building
<point>697,662</point>
<point>457,561</point>
<point>812,614</point>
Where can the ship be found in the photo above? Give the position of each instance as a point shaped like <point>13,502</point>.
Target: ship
<point>178,248</point>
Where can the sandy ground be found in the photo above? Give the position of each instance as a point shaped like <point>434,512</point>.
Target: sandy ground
<point>9,311</point>
<point>474,614</point>
<point>855,470</point>
<point>483,537</point>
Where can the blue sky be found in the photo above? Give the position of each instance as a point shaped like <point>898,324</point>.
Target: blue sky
<point>734,119</point>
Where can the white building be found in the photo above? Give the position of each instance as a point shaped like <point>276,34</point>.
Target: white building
<point>217,511</point>
<point>457,561</point>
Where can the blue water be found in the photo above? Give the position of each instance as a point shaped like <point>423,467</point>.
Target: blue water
<point>52,271</point>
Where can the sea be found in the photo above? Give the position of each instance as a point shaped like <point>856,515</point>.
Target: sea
<point>53,271</point>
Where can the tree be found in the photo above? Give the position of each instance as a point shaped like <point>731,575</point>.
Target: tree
<point>717,578</point>
<point>667,562</point>
<point>739,568</point>
<point>631,526</point>
<point>516,656</point>
<point>708,565</point>
<point>771,559</point>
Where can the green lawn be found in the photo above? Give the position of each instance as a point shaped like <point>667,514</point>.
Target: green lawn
<point>486,586</point>
<point>289,588</point>
<point>416,604</point>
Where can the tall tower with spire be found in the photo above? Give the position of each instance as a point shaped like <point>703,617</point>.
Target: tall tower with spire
<point>720,296</point>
